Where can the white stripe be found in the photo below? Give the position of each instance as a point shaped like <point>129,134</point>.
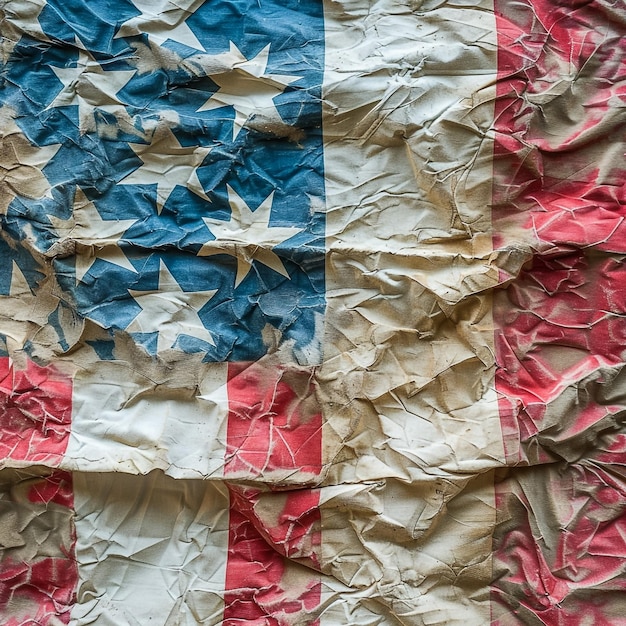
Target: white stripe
<point>128,420</point>
<point>150,550</point>
<point>408,377</point>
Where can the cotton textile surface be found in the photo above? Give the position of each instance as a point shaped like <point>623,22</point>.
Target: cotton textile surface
<point>312,312</point>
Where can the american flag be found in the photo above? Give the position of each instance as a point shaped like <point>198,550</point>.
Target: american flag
<point>312,313</point>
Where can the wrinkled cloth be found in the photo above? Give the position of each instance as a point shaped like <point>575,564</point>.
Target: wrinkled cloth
<point>311,313</point>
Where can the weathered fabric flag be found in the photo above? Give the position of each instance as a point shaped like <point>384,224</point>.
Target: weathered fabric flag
<point>312,313</point>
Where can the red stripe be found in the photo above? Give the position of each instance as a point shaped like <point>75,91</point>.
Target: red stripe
<point>274,422</point>
<point>560,176</point>
<point>560,546</point>
<point>274,429</point>
<point>36,409</point>
<point>560,321</point>
<point>559,198</point>
<point>559,185</point>
<point>35,587</point>
<point>265,586</point>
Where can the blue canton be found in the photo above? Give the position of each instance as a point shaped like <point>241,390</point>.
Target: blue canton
<point>182,159</point>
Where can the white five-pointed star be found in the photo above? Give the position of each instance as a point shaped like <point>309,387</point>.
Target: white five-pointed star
<point>20,18</point>
<point>248,88</point>
<point>170,312</point>
<point>19,285</point>
<point>162,20</point>
<point>20,301</point>
<point>89,86</point>
<point>98,238</point>
<point>22,164</point>
<point>167,164</point>
<point>21,310</point>
<point>248,236</point>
